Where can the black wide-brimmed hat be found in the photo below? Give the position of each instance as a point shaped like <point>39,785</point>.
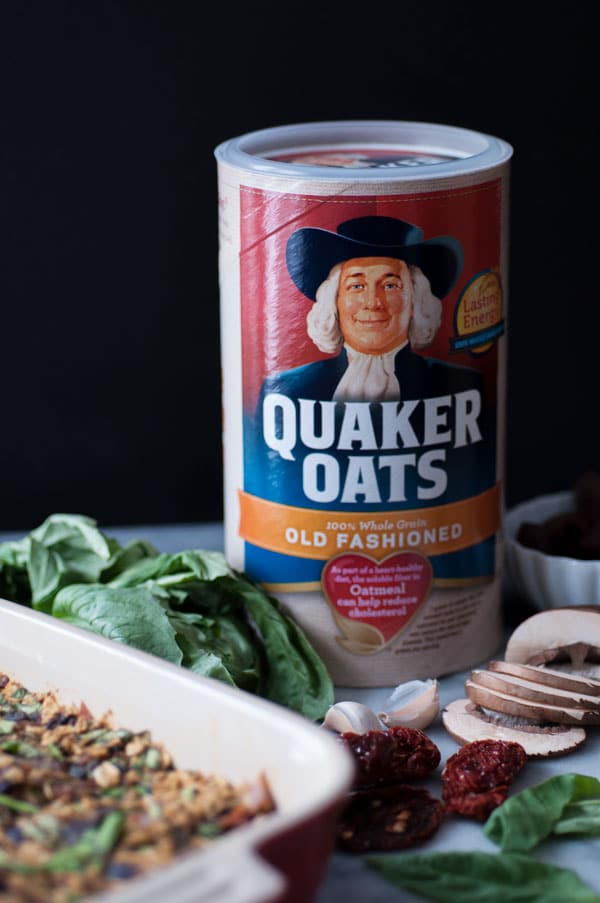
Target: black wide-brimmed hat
<point>311,252</point>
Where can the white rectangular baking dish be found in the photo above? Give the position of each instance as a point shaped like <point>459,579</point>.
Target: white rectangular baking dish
<point>209,726</point>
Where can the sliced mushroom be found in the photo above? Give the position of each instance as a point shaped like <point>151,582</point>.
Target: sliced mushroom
<point>551,677</point>
<point>536,711</point>
<point>570,635</point>
<point>412,704</point>
<point>351,716</point>
<point>466,722</point>
<point>535,692</point>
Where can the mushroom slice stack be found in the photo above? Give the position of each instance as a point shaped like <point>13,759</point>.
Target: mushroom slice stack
<point>465,722</point>
<point>545,692</point>
<point>545,710</point>
<point>550,676</point>
<point>538,702</point>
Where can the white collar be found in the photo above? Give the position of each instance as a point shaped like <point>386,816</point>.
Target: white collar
<point>369,377</point>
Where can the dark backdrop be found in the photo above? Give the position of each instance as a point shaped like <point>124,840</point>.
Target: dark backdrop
<point>110,112</point>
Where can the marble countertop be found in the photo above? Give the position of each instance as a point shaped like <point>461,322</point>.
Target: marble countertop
<point>347,877</point>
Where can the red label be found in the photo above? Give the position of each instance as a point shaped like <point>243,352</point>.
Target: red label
<point>370,328</point>
<point>373,601</point>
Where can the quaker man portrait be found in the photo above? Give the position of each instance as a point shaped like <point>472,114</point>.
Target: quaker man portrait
<point>377,287</point>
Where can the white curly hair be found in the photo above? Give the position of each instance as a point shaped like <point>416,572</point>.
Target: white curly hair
<point>322,321</point>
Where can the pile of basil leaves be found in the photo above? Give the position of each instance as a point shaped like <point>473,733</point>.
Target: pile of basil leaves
<point>189,608</point>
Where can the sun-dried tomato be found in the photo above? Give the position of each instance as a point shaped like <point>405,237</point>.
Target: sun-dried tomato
<point>476,779</point>
<point>388,818</point>
<point>392,756</point>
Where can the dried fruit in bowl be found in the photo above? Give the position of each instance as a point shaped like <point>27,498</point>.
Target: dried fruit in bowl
<point>572,534</point>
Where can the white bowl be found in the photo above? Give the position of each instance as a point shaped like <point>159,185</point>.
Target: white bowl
<point>547,581</point>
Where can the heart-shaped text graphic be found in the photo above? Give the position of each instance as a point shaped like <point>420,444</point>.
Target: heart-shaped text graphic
<point>373,601</point>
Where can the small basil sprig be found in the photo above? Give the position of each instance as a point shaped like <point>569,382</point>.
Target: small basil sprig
<point>481,877</point>
<point>564,804</point>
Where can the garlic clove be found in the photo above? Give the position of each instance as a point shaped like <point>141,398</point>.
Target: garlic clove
<point>404,694</point>
<point>351,716</point>
<point>413,704</point>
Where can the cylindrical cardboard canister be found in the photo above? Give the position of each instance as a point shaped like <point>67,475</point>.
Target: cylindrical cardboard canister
<point>363,281</point>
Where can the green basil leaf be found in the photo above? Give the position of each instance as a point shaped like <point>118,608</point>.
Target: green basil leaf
<point>208,664</point>
<point>46,575</point>
<point>14,584</point>
<point>14,553</point>
<point>582,817</point>
<point>14,580</point>
<point>295,674</point>
<point>124,557</point>
<point>481,878</point>
<point>76,529</point>
<point>172,569</point>
<point>66,549</point>
<point>220,647</point>
<point>133,616</point>
<point>527,818</point>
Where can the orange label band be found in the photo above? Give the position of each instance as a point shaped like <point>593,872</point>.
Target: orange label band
<point>306,533</point>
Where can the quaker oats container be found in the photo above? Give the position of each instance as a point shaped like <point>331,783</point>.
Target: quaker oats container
<point>363,297</point>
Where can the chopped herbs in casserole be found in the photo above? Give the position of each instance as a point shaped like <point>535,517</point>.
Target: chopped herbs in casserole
<point>85,806</point>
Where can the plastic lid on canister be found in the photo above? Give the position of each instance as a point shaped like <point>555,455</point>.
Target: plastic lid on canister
<point>372,149</point>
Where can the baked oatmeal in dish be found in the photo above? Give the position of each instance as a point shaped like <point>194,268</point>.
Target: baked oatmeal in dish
<point>86,805</point>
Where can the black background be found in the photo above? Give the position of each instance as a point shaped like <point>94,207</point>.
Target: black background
<point>110,112</point>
